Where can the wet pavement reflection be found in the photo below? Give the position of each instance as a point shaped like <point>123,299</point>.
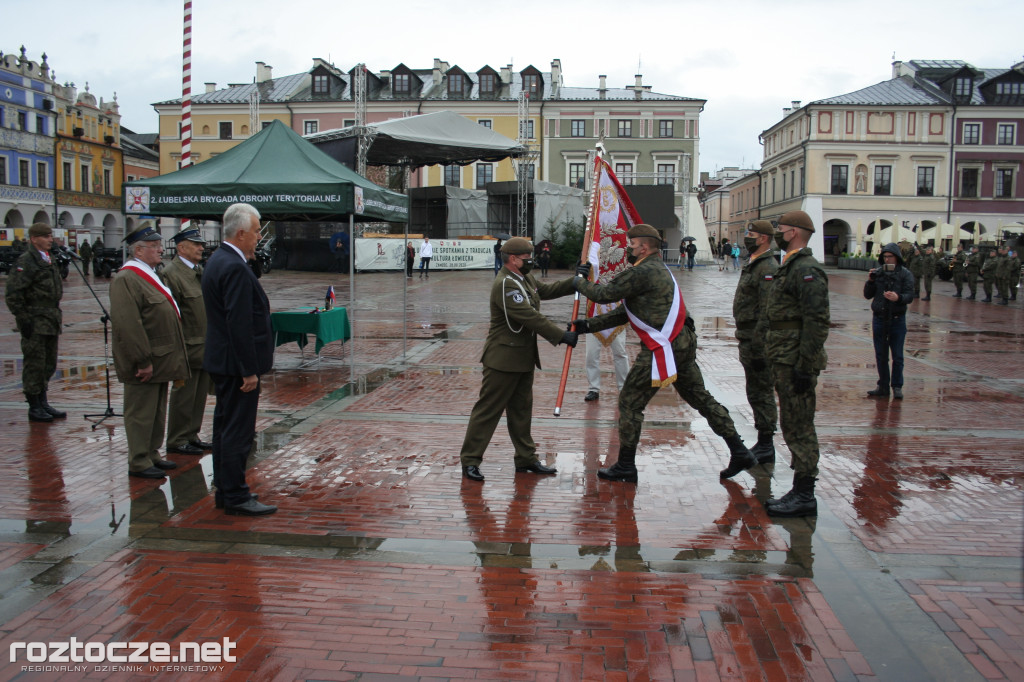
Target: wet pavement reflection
<point>383,561</point>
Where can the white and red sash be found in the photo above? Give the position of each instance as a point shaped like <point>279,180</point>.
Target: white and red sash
<point>153,281</point>
<point>659,341</point>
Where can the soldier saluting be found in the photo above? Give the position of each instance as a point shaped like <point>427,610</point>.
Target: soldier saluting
<point>34,290</point>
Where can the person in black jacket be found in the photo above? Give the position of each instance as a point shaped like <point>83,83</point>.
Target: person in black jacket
<point>891,288</point>
<point>239,349</point>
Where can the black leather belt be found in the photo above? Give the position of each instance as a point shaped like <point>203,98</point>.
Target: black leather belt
<point>746,325</point>
<point>786,324</point>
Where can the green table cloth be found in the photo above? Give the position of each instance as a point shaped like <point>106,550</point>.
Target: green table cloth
<point>295,325</point>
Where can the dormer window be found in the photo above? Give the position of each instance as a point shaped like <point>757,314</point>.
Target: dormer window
<point>962,87</point>
<point>401,84</point>
<point>531,83</point>
<point>456,83</point>
<point>487,84</point>
<point>321,84</point>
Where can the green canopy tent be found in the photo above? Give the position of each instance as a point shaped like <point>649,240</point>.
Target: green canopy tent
<point>282,175</point>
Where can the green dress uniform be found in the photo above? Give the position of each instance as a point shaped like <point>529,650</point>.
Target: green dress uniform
<point>187,402</point>
<point>988,276</point>
<point>958,269</point>
<point>146,331</point>
<point>33,294</point>
<point>798,323</point>
<point>971,273</point>
<point>748,306</point>
<point>929,261</point>
<point>647,290</point>
<point>509,358</point>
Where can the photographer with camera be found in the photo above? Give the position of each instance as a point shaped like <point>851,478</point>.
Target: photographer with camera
<point>891,288</point>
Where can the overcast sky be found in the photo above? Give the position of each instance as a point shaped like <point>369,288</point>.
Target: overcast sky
<point>747,58</point>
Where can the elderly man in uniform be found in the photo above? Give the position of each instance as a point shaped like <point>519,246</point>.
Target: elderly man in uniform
<point>149,350</point>
<point>798,321</point>
<point>751,332</point>
<point>34,290</point>
<point>188,401</point>
<point>653,306</point>
<point>509,358</point>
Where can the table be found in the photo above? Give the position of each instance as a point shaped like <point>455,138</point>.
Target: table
<point>294,325</point>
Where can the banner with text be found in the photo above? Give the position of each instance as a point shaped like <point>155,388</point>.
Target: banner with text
<point>449,254</point>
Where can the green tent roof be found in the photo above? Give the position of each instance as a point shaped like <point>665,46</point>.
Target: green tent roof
<point>282,175</point>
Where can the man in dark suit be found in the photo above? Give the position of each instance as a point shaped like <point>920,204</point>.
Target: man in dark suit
<point>239,348</point>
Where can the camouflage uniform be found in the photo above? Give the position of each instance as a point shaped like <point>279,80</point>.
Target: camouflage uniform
<point>509,358</point>
<point>988,275</point>
<point>85,252</point>
<point>1014,276</point>
<point>971,273</point>
<point>959,260</point>
<point>647,289</point>
<point>916,266</point>
<point>751,330</point>
<point>798,319</point>
<point>1003,276</point>
<point>34,290</point>
<point>928,264</point>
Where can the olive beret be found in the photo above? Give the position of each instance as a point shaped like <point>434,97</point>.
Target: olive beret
<point>517,246</point>
<point>797,219</point>
<point>761,227</point>
<point>643,230</point>
<point>40,230</point>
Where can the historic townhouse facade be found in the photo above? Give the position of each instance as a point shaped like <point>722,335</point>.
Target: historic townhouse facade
<point>650,138</point>
<point>939,145</point>
<point>26,144</point>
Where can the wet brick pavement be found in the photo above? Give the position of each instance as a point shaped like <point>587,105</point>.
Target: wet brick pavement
<point>383,564</point>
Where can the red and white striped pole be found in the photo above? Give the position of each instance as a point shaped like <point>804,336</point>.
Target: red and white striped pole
<point>186,95</point>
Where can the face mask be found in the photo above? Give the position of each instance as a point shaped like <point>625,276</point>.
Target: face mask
<point>750,243</point>
<point>780,241</point>
<point>526,266</point>
<point>630,256</point>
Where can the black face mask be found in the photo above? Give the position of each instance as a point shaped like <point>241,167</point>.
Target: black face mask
<point>630,256</point>
<point>781,241</point>
<point>526,266</point>
<point>750,243</point>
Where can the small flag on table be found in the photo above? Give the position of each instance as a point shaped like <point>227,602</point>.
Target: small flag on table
<point>329,299</point>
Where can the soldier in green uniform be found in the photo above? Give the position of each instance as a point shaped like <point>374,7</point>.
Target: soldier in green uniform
<point>751,331</point>
<point>187,402</point>
<point>509,358</point>
<point>972,270</point>
<point>958,268</point>
<point>85,253</point>
<point>1014,273</point>
<point>798,322</point>
<point>929,262</point>
<point>916,266</point>
<point>33,294</point>
<point>19,245</point>
<point>1003,275</point>
<point>149,350</point>
<point>654,307</point>
<point>988,274</point>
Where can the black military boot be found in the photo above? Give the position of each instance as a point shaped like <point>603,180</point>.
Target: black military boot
<point>972,297</point>
<point>987,299</point>
<point>764,450</point>
<point>958,295</point>
<point>1002,301</point>
<point>52,411</point>
<point>624,469</point>
<point>880,391</point>
<point>797,502</point>
<point>740,458</point>
<point>36,411</point>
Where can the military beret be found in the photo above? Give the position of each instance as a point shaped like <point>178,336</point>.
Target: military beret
<point>192,235</point>
<point>761,227</point>
<point>40,230</point>
<point>146,233</point>
<point>517,246</point>
<point>643,230</point>
<point>797,219</point>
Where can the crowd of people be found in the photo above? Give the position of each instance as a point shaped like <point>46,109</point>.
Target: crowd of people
<point>180,331</point>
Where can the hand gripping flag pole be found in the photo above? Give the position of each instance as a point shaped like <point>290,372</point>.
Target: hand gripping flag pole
<point>587,236</point>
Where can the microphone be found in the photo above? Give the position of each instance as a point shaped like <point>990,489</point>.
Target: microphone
<point>69,252</point>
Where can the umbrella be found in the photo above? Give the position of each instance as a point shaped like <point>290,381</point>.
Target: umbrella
<point>505,236</point>
<point>688,238</point>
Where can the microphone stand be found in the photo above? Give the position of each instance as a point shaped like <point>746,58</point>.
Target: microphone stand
<point>109,412</point>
